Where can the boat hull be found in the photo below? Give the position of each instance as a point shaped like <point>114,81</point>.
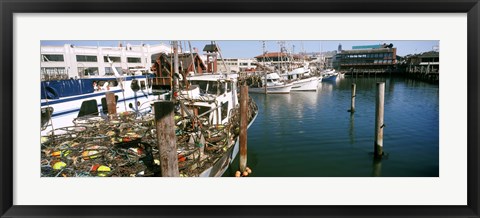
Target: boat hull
<point>219,167</point>
<point>309,84</point>
<point>330,78</point>
<point>281,89</point>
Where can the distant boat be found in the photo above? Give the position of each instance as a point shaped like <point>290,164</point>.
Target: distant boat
<point>302,79</point>
<point>329,75</point>
<point>274,85</point>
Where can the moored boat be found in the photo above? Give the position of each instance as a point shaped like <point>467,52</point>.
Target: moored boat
<point>273,85</point>
<point>329,75</point>
<point>302,79</point>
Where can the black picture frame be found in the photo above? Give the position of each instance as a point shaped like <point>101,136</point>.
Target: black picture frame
<point>9,7</point>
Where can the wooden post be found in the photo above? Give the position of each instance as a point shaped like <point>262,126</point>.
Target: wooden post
<point>379,112</point>
<point>243,127</point>
<point>111,103</point>
<point>166,138</point>
<point>352,107</point>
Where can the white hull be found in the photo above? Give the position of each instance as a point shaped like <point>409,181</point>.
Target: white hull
<point>219,168</point>
<point>278,89</point>
<point>309,84</point>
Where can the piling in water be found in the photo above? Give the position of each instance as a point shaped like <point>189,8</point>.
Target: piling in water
<point>379,124</point>
<point>166,139</point>
<point>352,107</point>
<point>243,126</point>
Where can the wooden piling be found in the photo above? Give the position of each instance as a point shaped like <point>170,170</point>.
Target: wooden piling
<point>166,138</point>
<point>352,105</point>
<point>111,103</point>
<point>243,127</point>
<point>379,124</point>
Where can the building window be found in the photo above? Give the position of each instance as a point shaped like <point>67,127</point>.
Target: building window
<point>52,58</point>
<point>54,73</point>
<point>86,58</point>
<point>113,59</point>
<point>87,71</point>
<point>134,60</point>
<point>109,71</point>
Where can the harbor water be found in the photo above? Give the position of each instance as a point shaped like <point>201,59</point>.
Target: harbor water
<point>311,134</point>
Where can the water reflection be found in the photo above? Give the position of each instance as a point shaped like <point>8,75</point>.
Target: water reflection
<point>351,130</point>
<point>309,133</point>
<point>377,167</point>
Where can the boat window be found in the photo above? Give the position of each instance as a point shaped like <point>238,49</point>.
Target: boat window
<point>111,83</point>
<point>212,88</point>
<point>201,84</point>
<point>229,86</point>
<point>222,87</point>
<point>224,110</point>
<point>202,109</point>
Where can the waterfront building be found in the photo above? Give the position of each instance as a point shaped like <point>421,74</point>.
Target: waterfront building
<point>376,58</point>
<point>279,60</point>
<point>237,65</point>
<point>427,62</point>
<point>71,61</point>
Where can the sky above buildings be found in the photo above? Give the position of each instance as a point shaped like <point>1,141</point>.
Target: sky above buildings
<point>252,48</point>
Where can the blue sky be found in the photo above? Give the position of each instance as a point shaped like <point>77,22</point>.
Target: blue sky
<point>248,49</point>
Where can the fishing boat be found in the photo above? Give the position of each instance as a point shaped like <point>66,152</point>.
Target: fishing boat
<point>329,75</point>
<point>212,101</point>
<point>302,79</point>
<point>65,101</point>
<point>272,85</point>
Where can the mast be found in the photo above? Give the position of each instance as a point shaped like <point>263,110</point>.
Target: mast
<point>264,71</point>
<point>175,67</point>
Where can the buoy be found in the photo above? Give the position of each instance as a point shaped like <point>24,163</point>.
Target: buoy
<point>59,165</point>
<point>56,153</point>
<point>248,170</point>
<point>237,174</point>
<point>245,173</point>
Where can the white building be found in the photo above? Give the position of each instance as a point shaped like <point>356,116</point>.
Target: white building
<point>236,64</point>
<point>70,61</point>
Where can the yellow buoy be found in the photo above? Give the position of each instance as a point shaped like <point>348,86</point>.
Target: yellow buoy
<point>103,168</point>
<point>59,165</point>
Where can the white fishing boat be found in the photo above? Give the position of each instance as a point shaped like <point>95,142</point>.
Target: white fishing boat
<point>212,99</point>
<point>64,102</point>
<point>302,79</point>
<point>273,85</point>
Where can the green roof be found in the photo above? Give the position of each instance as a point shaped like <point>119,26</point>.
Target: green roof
<point>210,48</point>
